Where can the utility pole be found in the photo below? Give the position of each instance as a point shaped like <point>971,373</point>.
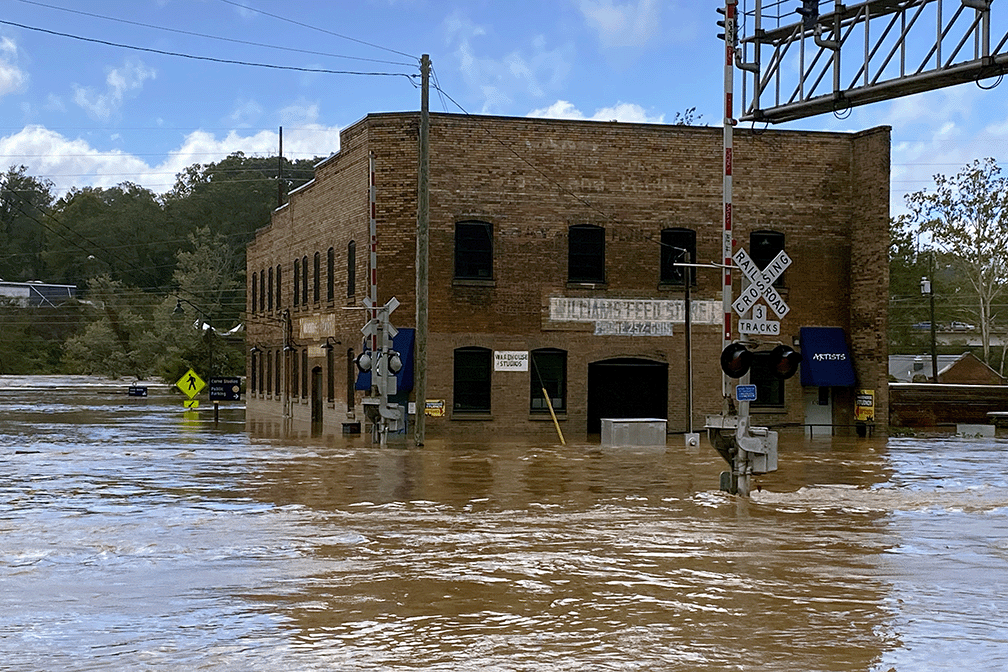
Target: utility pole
<point>423,240</point>
<point>280,172</point>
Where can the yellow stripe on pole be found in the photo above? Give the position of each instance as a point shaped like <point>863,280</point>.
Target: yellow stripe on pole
<point>556,423</point>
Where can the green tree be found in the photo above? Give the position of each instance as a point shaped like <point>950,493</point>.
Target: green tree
<point>967,217</point>
<point>24,204</point>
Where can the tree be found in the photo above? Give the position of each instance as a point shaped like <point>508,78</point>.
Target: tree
<point>24,203</point>
<point>967,217</point>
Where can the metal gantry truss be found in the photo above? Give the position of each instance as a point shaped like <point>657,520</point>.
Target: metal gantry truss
<point>842,56</point>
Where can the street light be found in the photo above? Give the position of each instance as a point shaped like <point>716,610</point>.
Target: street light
<point>179,310</point>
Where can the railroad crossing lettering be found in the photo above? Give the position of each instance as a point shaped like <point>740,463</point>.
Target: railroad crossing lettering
<point>761,283</point>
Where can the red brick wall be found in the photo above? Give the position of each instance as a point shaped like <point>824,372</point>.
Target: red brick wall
<point>532,179</point>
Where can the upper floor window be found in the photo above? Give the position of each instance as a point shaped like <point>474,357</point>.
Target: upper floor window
<point>304,280</point>
<point>677,246</point>
<point>330,280</point>
<point>549,372</point>
<point>316,275</point>
<point>764,246</point>
<point>586,253</point>
<point>262,291</point>
<point>279,285</point>
<point>297,282</point>
<point>473,250</point>
<point>255,295</point>
<point>269,290</point>
<point>471,380</point>
<point>351,269</point>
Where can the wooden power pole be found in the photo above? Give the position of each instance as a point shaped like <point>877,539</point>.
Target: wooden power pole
<point>422,243</point>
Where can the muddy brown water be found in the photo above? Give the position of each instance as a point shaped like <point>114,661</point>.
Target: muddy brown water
<point>132,537</point>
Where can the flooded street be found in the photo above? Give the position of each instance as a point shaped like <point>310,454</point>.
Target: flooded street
<point>132,538</point>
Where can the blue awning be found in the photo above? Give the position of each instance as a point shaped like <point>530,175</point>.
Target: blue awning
<point>403,344</point>
<point>826,360</point>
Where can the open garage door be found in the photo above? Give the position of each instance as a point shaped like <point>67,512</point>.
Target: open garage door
<point>626,387</point>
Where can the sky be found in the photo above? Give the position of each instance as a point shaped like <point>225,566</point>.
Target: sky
<point>100,92</point>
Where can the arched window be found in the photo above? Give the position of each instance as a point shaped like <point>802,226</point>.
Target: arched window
<point>471,380</point>
<point>304,280</point>
<point>330,280</point>
<point>351,269</point>
<point>297,283</point>
<point>279,285</point>
<point>255,295</point>
<point>269,291</point>
<point>549,371</point>
<point>316,273</point>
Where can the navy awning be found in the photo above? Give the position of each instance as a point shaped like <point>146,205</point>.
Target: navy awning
<point>403,344</point>
<point>826,360</point>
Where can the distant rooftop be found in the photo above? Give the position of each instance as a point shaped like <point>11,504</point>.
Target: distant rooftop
<point>36,293</point>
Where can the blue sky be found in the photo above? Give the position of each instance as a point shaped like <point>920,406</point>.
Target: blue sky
<point>81,113</point>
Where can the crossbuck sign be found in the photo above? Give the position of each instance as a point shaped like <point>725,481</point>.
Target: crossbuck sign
<point>761,286</point>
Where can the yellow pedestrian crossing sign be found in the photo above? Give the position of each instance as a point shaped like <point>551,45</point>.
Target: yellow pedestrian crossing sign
<point>190,384</point>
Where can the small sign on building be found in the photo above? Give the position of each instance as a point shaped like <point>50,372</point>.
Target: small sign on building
<point>864,406</point>
<point>511,360</point>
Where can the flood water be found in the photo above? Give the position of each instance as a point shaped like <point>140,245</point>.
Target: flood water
<point>132,537</point>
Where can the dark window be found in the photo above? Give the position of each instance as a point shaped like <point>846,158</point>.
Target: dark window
<point>330,280</point>
<point>471,381</point>
<point>473,250</point>
<point>269,291</point>
<point>549,371</point>
<point>276,373</point>
<point>769,386</point>
<point>764,246</point>
<point>316,273</point>
<point>278,288</point>
<point>673,243</point>
<point>261,384</point>
<point>255,296</point>
<point>351,269</point>
<point>586,253</point>
<point>304,280</point>
<point>294,374</point>
<point>297,283</point>
<point>350,380</point>
<point>262,291</point>
<point>304,372</point>
<point>252,372</point>
<point>330,372</point>
<point>269,372</point>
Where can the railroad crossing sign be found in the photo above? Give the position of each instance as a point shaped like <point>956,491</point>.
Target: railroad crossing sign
<point>761,283</point>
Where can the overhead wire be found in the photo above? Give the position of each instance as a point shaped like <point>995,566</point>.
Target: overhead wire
<point>211,37</point>
<point>212,59</point>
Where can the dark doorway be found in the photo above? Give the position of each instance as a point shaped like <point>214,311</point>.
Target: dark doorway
<point>626,387</point>
<point>316,397</point>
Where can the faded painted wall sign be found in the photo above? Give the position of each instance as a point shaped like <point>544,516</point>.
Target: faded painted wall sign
<point>632,317</point>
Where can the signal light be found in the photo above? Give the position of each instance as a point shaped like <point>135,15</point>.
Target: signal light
<point>735,360</point>
<point>721,22</point>
<point>364,361</point>
<point>785,361</point>
<point>809,12</point>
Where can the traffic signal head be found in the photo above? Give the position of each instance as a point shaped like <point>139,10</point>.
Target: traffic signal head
<point>809,12</point>
<point>735,360</point>
<point>785,361</point>
<point>364,361</point>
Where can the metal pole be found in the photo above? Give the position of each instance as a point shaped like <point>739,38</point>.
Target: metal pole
<point>423,241</point>
<point>373,230</point>
<point>687,278</point>
<point>729,122</point>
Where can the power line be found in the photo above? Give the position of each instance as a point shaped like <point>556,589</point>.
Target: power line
<point>321,30</point>
<point>212,59</point>
<point>212,37</point>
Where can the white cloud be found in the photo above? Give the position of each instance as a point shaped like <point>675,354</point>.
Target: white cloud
<point>69,163</point>
<point>532,70</point>
<point>628,24</point>
<point>12,78</point>
<point>625,112</point>
<point>119,83</point>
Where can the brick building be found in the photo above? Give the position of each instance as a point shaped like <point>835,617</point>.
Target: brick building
<point>552,246</point>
